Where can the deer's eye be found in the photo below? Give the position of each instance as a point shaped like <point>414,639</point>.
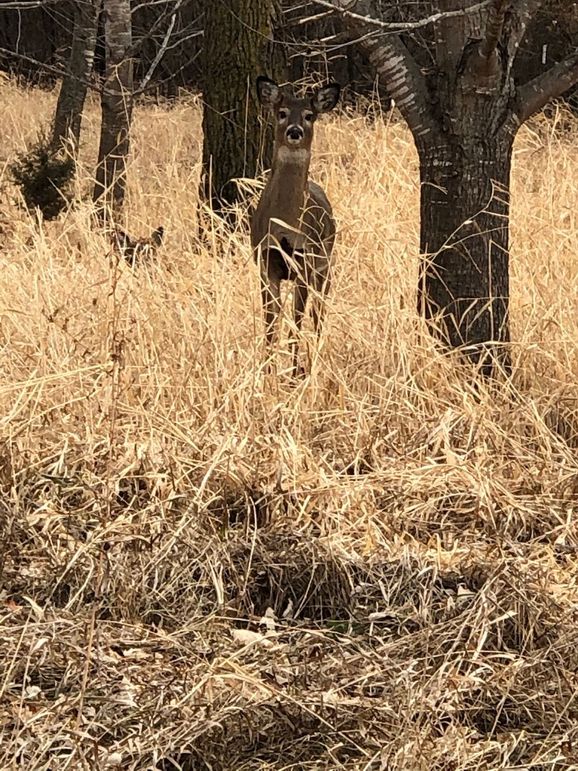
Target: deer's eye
<point>308,117</point>
<point>283,114</point>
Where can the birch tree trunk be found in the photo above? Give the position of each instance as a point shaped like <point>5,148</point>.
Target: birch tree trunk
<point>464,113</point>
<point>72,95</point>
<point>116,106</point>
<point>237,48</point>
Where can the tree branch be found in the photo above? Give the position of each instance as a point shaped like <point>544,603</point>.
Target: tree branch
<point>494,28</point>
<point>521,14</point>
<point>162,50</point>
<point>394,65</point>
<point>8,53</point>
<point>367,17</point>
<point>536,94</point>
<point>25,5</point>
<point>137,45</point>
<point>450,37</point>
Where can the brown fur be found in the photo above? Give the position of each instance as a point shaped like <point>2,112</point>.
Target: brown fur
<point>292,229</point>
<point>135,249</point>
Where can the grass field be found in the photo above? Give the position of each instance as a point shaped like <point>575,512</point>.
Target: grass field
<point>206,568</point>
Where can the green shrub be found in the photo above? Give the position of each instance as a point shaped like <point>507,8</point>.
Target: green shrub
<point>44,177</point>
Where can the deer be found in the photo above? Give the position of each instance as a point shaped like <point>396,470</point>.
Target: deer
<point>134,250</point>
<point>292,228</point>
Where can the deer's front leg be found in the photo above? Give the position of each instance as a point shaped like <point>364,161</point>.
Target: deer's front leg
<point>271,299</point>
<point>320,284</point>
<point>299,302</point>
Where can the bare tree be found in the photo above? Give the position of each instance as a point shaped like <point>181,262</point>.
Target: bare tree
<point>72,95</point>
<point>116,104</point>
<point>237,48</point>
<point>464,111</point>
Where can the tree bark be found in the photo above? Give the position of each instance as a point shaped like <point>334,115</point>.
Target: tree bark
<point>70,105</point>
<point>464,113</point>
<point>116,106</point>
<point>536,94</point>
<point>465,164</point>
<point>464,286</point>
<point>237,48</point>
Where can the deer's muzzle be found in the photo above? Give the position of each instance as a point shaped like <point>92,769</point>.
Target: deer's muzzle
<point>294,134</point>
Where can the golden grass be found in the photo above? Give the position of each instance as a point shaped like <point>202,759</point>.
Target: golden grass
<point>414,541</point>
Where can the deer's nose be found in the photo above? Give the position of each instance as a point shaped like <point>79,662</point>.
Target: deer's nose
<point>294,133</point>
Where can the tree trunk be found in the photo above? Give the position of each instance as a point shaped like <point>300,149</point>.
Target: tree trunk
<point>116,105</point>
<point>460,115</point>
<point>464,285</point>
<point>463,108</point>
<point>237,48</point>
<point>68,116</point>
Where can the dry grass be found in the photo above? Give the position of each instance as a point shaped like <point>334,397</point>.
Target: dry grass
<point>207,569</point>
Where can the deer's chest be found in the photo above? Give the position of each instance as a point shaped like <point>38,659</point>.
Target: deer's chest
<point>284,261</point>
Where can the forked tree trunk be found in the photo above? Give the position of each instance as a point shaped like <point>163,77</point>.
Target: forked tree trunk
<point>72,95</point>
<point>116,105</point>
<point>464,114</point>
<point>237,48</point>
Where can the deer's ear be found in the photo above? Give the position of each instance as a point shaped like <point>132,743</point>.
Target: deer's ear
<point>326,98</point>
<point>268,91</point>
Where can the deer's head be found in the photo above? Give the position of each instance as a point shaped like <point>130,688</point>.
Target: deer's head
<point>294,118</point>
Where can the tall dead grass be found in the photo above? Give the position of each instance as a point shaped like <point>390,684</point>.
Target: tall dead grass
<point>203,568</point>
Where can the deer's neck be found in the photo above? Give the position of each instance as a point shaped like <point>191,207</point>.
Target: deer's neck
<point>287,184</point>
